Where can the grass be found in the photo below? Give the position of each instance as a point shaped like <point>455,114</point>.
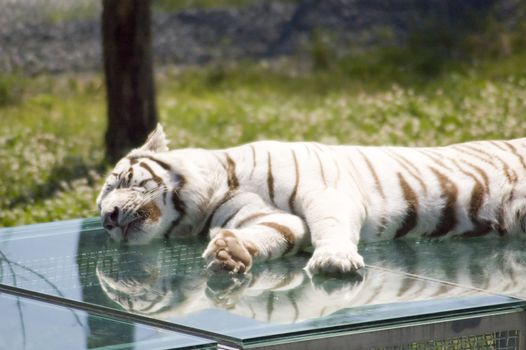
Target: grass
<point>50,149</point>
<point>76,11</point>
<point>51,135</point>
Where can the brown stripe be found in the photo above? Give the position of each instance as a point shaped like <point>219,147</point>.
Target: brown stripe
<point>480,227</point>
<point>292,197</point>
<point>144,182</point>
<point>307,147</point>
<point>178,203</point>
<point>435,158</point>
<point>448,218</point>
<point>514,151</point>
<point>220,160</point>
<point>318,146</point>
<point>353,173</point>
<point>322,171</point>
<point>482,173</point>
<point>283,282</point>
<point>471,175</point>
<point>253,160</point>
<point>228,219</point>
<point>500,227</point>
<point>206,228</point>
<point>292,299</point>
<point>406,162</point>
<point>162,164</point>
<point>270,178</point>
<point>477,199</point>
<point>337,165</point>
<point>475,147</point>
<point>407,284</point>
<point>233,183</point>
<point>497,145</point>
<point>378,185</point>
<point>249,218</point>
<point>285,232</point>
<point>407,167</point>
<point>130,176</point>
<point>179,206</point>
<point>174,223</point>
<point>156,178</point>
<point>479,192</point>
<point>511,177</point>
<point>270,305</point>
<point>474,152</point>
<point>411,217</point>
<point>510,174</point>
<point>374,294</point>
<point>382,226</point>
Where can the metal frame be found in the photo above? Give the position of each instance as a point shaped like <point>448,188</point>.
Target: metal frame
<point>401,337</point>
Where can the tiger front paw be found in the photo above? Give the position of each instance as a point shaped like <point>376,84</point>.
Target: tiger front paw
<point>335,259</point>
<point>228,252</point>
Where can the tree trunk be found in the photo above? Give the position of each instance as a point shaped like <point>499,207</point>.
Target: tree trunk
<point>126,38</point>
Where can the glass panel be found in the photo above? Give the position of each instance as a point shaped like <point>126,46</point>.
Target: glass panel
<point>25,324</point>
<point>489,263</point>
<point>167,280</point>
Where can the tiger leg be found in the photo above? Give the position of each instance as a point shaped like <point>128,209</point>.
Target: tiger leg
<point>264,237</point>
<point>334,222</point>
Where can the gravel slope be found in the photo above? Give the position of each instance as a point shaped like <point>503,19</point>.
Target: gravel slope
<point>61,35</point>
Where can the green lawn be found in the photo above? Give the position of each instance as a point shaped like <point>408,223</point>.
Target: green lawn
<point>52,126</point>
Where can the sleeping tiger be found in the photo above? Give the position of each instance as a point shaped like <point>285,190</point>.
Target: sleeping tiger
<point>268,199</point>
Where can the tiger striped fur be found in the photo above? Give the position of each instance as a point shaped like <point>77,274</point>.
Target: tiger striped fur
<point>267,199</point>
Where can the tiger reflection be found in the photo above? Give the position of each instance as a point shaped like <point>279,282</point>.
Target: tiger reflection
<point>139,281</point>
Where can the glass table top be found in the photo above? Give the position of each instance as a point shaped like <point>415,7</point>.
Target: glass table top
<point>166,282</point>
<point>25,324</point>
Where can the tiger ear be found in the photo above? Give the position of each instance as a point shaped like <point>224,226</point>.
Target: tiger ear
<point>156,141</point>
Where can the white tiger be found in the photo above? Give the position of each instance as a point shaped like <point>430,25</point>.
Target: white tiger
<point>268,199</point>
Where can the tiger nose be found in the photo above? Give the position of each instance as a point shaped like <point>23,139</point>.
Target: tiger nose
<point>110,219</point>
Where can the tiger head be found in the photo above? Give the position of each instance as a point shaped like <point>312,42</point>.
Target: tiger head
<point>142,198</point>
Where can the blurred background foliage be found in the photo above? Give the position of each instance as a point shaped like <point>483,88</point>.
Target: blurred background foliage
<point>455,74</point>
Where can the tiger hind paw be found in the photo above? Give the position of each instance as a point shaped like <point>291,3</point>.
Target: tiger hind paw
<point>227,252</point>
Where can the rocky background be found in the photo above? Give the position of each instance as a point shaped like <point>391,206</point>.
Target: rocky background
<point>63,36</point>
